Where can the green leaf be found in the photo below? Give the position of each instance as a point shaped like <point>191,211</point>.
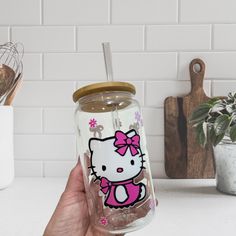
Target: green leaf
<point>217,107</point>
<point>200,113</point>
<point>214,100</point>
<point>215,139</point>
<point>233,133</point>
<point>200,134</point>
<point>221,124</point>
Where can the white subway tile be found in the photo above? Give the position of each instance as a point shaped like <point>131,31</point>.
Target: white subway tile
<point>155,146</point>
<point>157,91</point>
<point>58,120</point>
<point>158,170</point>
<point>74,66</point>
<point>144,66</point>
<point>141,11</point>
<point>45,93</point>
<point>61,12</point>
<point>15,12</point>
<point>45,38</point>
<point>153,121</point>
<point>3,35</point>
<point>28,120</point>
<point>224,37</point>
<point>178,37</point>
<point>207,11</point>
<point>121,38</point>
<point>28,168</point>
<point>219,65</point>
<point>45,147</point>
<point>222,88</point>
<point>58,168</point>
<point>32,67</point>
<point>127,66</point>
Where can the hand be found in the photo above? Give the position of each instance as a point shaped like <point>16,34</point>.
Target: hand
<point>71,216</point>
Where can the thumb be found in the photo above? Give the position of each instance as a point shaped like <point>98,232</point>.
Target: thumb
<point>75,181</point>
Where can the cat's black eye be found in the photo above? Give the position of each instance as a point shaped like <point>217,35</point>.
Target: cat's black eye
<point>104,167</point>
<point>132,162</point>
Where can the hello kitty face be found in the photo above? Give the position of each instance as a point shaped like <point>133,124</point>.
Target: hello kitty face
<point>117,158</point>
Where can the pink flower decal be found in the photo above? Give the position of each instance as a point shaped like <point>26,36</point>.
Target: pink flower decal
<point>137,116</point>
<point>92,123</point>
<point>103,221</point>
<point>141,122</point>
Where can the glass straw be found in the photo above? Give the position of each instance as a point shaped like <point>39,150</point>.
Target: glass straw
<point>108,60</point>
<point>109,71</point>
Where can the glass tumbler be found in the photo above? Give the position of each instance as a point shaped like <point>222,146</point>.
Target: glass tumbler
<point>112,149</point>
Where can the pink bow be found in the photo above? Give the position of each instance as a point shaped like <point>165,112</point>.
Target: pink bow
<point>123,142</point>
<point>105,184</point>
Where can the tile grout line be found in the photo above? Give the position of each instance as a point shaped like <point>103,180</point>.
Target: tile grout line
<point>212,37</point>
<point>42,66</point>
<point>177,66</point>
<point>43,169</point>
<point>41,12</point>
<point>171,23</point>
<point>45,133</point>
<point>110,12</point>
<point>179,11</point>
<point>45,160</point>
<point>145,38</point>
<point>42,118</point>
<point>210,88</point>
<point>165,51</point>
<point>76,38</point>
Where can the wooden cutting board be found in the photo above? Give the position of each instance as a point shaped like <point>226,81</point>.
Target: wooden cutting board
<point>184,157</point>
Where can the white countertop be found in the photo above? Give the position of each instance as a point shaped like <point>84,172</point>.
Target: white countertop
<point>186,208</point>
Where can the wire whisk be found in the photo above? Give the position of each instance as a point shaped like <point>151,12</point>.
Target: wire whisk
<point>11,67</point>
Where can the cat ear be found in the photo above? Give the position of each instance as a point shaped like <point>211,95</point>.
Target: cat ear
<point>131,133</point>
<point>93,144</point>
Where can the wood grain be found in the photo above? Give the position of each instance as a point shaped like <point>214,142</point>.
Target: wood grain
<point>184,157</point>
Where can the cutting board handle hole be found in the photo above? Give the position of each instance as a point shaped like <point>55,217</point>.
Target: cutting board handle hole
<point>197,68</point>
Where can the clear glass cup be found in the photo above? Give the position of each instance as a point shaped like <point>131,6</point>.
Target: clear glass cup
<point>114,157</point>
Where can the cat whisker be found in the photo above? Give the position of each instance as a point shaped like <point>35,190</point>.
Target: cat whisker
<point>91,167</point>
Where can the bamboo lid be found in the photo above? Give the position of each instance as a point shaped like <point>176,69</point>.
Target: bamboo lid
<point>102,87</point>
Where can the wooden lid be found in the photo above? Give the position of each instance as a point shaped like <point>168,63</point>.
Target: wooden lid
<point>102,87</point>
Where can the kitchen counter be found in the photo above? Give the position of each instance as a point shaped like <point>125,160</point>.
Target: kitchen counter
<point>186,208</point>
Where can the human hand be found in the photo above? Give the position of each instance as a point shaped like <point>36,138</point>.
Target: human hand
<point>71,217</point>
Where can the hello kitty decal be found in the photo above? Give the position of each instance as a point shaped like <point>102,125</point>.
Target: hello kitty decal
<point>116,161</point>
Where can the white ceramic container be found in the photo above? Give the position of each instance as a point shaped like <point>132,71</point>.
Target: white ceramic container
<point>225,161</point>
<point>6,146</point>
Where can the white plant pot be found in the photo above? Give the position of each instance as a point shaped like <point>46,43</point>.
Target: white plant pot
<point>6,146</point>
<point>225,162</point>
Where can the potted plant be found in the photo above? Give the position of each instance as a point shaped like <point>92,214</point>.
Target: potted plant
<point>215,122</point>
